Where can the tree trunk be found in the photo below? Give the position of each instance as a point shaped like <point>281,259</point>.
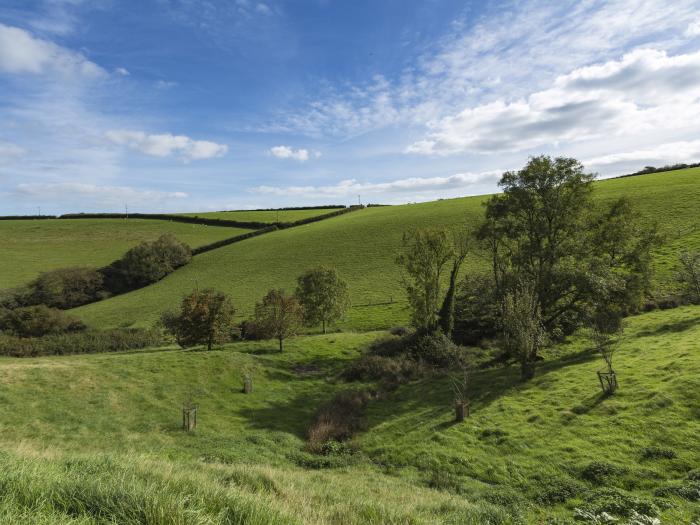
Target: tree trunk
<point>447,311</point>
<point>210,341</point>
<point>460,410</point>
<point>281,344</point>
<point>527,370</point>
<point>324,326</point>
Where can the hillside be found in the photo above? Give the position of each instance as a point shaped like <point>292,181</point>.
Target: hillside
<point>363,244</point>
<point>104,437</point>
<point>34,246</point>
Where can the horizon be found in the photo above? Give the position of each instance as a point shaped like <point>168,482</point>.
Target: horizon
<point>195,106</point>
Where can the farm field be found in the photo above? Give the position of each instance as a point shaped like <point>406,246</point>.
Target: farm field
<point>30,247</point>
<point>363,244</point>
<point>268,216</point>
<point>104,438</point>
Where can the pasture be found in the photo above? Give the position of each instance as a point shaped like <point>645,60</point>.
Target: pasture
<point>362,245</point>
<point>267,216</point>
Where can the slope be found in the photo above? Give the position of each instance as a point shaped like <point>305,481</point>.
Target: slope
<point>363,244</point>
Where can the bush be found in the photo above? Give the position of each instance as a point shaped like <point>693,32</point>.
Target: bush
<point>66,288</point>
<point>658,453</point>
<point>339,418</point>
<point>87,342</point>
<point>554,490</point>
<point>599,472</point>
<point>477,310</point>
<point>689,490</point>
<point>694,475</point>
<point>618,502</point>
<point>438,350</point>
<point>379,368</point>
<point>146,263</point>
<point>37,321</point>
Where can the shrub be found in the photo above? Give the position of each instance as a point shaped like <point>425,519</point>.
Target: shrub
<point>87,342</point>
<point>658,453</point>
<point>339,418</point>
<point>694,475</point>
<point>689,490</point>
<point>618,502</point>
<point>599,472</point>
<point>146,263</point>
<point>477,310</point>
<point>37,321</point>
<point>438,350</point>
<point>379,368</point>
<point>66,288</point>
<point>555,489</point>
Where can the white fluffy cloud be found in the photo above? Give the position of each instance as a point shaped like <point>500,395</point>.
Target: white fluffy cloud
<point>645,90</point>
<point>166,144</point>
<point>287,152</point>
<point>21,52</point>
<point>353,187</point>
<point>673,152</point>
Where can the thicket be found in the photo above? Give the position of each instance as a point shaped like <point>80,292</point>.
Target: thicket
<point>83,342</point>
<point>37,321</point>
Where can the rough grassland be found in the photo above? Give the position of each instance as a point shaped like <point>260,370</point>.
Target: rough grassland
<point>511,461</point>
<point>269,216</point>
<point>363,245</point>
<point>30,247</point>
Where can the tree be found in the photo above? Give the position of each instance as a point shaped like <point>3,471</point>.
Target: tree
<point>605,332</point>
<point>523,333</point>
<point>323,296</point>
<point>425,256</point>
<point>147,263</point>
<point>66,287</point>
<point>205,317</point>
<point>545,229</point>
<point>689,275</point>
<point>278,316</point>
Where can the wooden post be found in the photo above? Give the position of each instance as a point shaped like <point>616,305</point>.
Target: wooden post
<point>461,409</point>
<point>608,382</point>
<point>247,385</point>
<point>189,417</point>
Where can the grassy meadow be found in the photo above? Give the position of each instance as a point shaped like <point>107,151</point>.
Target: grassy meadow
<point>30,247</point>
<point>269,216</point>
<point>362,245</point>
<point>104,443</point>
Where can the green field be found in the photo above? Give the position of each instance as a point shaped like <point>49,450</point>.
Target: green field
<point>30,247</point>
<point>267,216</point>
<point>363,245</point>
<point>103,442</point>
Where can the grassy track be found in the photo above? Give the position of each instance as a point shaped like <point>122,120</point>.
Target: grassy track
<point>363,244</point>
<point>521,443</point>
<point>30,247</point>
<point>269,216</point>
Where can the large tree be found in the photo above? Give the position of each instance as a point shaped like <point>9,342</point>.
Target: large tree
<point>523,333</point>
<point>279,315</point>
<point>546,229</point>
<point>323,296</point>
<point>205,317</point>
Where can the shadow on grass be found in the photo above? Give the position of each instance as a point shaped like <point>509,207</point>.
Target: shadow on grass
<point>667,328</point>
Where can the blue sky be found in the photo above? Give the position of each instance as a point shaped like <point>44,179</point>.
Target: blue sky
<point>193,105</point>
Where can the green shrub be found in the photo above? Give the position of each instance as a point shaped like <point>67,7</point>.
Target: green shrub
<point>146,263</point>
<point>689,490</point>
<point>379,368</point>
<point>555,489</point>
<point>37,321</point>
<point>66,288</point>
<point>599,472</point>
<point>437,350</point>
<point>477,310</point>
<point>694,475</point>
<point>658,453</point>
<point>87,342</point>
<point>618,502</point>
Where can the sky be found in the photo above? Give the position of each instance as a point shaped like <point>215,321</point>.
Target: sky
<point>198,105</point>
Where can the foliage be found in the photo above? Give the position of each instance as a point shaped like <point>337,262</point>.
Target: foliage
<point>278,316</point>
<point>37,321</point>
<point>478,310</point>
<point>66,287</point>
<point>437,350</point>
<point>541,229</point>
<point>85,342</point>
<point>523,333</point>
<point>146,263</point>
<point>339,418</point>
<point>689,275</point>
<point>205,317</point>
<point>323,296</point>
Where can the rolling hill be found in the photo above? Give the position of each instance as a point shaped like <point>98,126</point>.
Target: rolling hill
<point>34,246</point>
<point>267,216</point>
<point>363,244</point>
<point>104,441</point>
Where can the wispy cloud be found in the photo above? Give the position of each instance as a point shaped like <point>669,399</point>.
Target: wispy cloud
<point>353,187</point>
<point>166,144</point>
<point>9,152</point>
<point>670,153</point>
<point>287,152</point>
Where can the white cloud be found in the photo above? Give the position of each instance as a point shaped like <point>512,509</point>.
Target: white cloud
<point>9,152</point>
<point>353,187</point>
<point>166,144</point>
<point>693,29</point>
<point>122,71</point>
<point>95,195</point>
<point>645,90</point>
<point>263,8</point>
<point>287,152</point>
<point>670,153</point>
<point>21,52</point>
<point>165,84</point>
